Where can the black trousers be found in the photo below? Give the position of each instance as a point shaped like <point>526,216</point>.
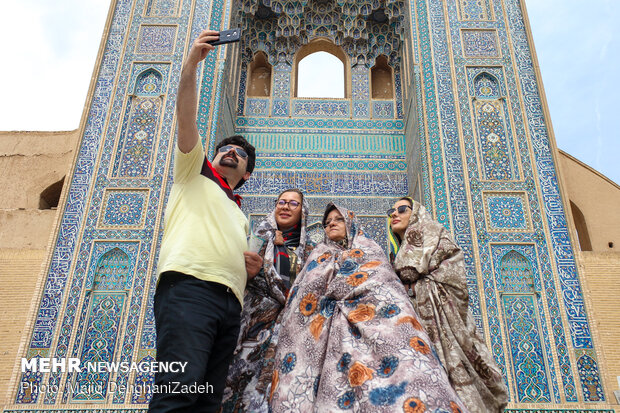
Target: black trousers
<point>198,322</point>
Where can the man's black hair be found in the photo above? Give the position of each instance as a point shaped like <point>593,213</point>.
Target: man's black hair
<point>247,147</point>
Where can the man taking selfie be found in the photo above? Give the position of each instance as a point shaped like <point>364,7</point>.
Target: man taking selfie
<point>203,262</point>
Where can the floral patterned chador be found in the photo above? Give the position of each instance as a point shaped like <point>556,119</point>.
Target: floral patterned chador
<point>251,369</point>
<point>350,340</point>
<point>434,266</point>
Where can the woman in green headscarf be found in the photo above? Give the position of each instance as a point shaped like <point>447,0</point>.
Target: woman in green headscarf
<point>432,268</point>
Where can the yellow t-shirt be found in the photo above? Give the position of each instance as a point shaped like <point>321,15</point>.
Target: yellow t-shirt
<point>205,231</point>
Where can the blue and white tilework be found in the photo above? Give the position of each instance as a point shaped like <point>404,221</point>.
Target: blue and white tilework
<point>123,208</point>
<point>480,43</point>
<point>156,39</point>
<point>507,211</point>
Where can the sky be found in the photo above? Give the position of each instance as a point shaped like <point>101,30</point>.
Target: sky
<point>49,50</point>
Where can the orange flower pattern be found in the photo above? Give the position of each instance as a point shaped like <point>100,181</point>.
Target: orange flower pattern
<point>316,326</point>
<point>412,320</point>
<point>363,312</point>
<point>324,257</point>
<point>359,374</point>
<point>356,253</point>
<point>308,304</point>
<point>370,265</point>
<point>420,345</point>
<point>414,405</point>
<point>350,351</point>
<point>357,278</point>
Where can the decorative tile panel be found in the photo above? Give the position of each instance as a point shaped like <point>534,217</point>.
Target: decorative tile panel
<point>592,387</point>
<point>321,108</point>
<point>334,183</point>
<point>530,374</point>
<point>162,8</point>
<point>123,208</point>
<point>507,211</point>
<point>257,107</point>
<point>480,43</point>
<point>155,39</point>
<point>383,109</point>
<point>475,10</point>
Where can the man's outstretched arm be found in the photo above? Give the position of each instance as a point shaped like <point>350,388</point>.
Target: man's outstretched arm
<point>187,98</point>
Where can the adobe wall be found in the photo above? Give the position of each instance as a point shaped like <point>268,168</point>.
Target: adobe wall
<point>29,163</point>
<point>598,198</point>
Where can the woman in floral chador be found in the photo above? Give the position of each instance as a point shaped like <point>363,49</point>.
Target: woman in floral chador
<point>349,337</point>
<point>432,268</point>
<point>284,251</point>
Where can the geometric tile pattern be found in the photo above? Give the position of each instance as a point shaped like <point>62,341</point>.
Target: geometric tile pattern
<point>383,110</point>
<point>257,107</point>
<point>507,211</point>
<point>475,9</point>
<point>123,208</point>
<point>321,108</point>
<point>591,382</point>
<point>530,374</point>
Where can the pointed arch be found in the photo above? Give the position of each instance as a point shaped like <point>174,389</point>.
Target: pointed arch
<point>111,272</point>
<point>382,79</point>
<point>486,86</point>
<point>148,83</point>
<point>259,76</point>
<point>516,273</point>
<point>106,304</point>
<point>335,66</point>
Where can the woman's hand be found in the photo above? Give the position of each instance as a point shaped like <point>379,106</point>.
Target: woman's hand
<point>253,263</point>
<point>279,239</point>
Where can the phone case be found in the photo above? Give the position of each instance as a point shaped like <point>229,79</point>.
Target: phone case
<point>228,36</point>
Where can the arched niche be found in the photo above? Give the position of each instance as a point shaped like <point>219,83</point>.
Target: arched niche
<point>259,76</point>
<point>382,79</point>
<point>148,83</point>
<point>516,272</point>
<point>324,71</point>
<point>486,86</point>
<point>50,196</point>
<point>582,229</point>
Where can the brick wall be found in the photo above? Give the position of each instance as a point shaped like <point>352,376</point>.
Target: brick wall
<point>602,289</point>
<point>19,277</point>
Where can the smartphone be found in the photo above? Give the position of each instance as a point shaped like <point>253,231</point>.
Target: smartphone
<point>228,36</point>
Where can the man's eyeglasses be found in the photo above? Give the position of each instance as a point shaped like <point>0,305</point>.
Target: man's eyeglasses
<point>329,221</point>
<point>401,210</point>
<point>240,152</point>
<point>291,204</point>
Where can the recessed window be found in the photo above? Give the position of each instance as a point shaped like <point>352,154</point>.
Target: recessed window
<point>260,76</point>
<point>381,79</point>
<point>321,75</point>
<point>321,71</point>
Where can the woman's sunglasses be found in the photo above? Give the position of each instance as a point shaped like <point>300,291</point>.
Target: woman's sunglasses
<point>401,210</point>
<point>240,152</point>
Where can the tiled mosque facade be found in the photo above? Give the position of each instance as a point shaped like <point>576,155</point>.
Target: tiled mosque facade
<point>463,128</point>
